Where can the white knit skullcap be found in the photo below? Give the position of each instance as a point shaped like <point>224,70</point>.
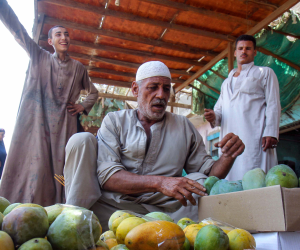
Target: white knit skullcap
<point>153,68</point>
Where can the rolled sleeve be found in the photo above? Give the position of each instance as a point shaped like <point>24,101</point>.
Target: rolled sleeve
<point>109,151</point>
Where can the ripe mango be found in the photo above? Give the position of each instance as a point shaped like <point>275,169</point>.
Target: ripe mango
<point>101,245</point>
<point>36,244</point>
<point>211,237</point>
<point>224,186</point>
<point>209,183</point>
<point>30,205</point>
<point>254,178</point>
<point>26,223</point>
<point>107,235</point>
<point>74,229</point>
<point>159,216</point>
<point>241,239</point>
<point>184,222</point>
<point>118,220</point>
<point>114,216</point>
<point>53,211</point>
<point>6,242</point>
<point>154,235</point>
<point>120,247</point>
<point>191,232</point>
<point>10,208</point>
<point>125,226</point>
<point>282,175</point>
<point>4,203</point>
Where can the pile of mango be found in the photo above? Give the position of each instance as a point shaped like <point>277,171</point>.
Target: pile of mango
<point>59,227</point>
<point>63,227</point>
<point>281,175</point>
<point>157,231</point>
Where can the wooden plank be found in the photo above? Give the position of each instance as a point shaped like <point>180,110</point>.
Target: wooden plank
<point>39,28</point>
<point>230,56</point>
<point>287,5</point>
<point>111,72</point>
<point>218,74</point>
<point>134,99</point>
<point>131,17</point>
<point>143,54</point>
<point>202,11</point>
<point>269,53</point>
<point>129,37</point>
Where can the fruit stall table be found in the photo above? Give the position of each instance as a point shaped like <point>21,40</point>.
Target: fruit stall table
<point>277,241</point>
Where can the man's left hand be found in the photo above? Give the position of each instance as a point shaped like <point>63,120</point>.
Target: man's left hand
<point>269,142</point>
<point>75,108</point>
<point>231,145</point>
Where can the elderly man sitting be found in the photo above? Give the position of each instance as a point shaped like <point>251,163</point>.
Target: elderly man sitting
<point>137,162</point>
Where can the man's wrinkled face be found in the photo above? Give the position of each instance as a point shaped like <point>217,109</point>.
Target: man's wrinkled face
<point>60,39</point>
<point>245,52</point>
<point>2,135</point>
<point>152,95</point>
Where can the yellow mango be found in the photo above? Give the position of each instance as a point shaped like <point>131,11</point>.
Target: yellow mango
<point>191,232</point>
<point>154,235</point>
<point>6,242</point>
<point>125,226</point>
<point>241,239</point>
<point>114,216</point>
<point>117,221</point>
<point>111,243</point>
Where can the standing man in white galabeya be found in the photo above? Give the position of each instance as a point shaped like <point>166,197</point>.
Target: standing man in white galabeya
<point>47,115</point>
<point>249,106</point>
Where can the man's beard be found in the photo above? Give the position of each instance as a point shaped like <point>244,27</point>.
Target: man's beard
<point>146,111</point>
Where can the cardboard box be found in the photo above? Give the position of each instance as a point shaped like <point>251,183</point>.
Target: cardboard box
<point>268,209</point>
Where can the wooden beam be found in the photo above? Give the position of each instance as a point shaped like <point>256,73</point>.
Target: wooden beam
<point>230,56</point>
<point>265,3</point>
<point>202,11</point>
<point>211,88</point>
<point>134,99</point>
<point>199,90</point>
<point>119,63</point>
<point>269,53</point>
<point>111,72</point>
<point>201,71</point>
<point>129,37</point>
<point>143,54</point>
<point>287,5</point>
<point>218,74</point>
<point>264,23</point>
<point>131,17</point>
<point>111,82</point>
<point>283,33</point>
<point>39,27</point>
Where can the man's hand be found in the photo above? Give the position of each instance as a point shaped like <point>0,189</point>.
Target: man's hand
<point>209,115</point>
<point>269,142</point>
<point>181,188</point>
<point>231,145</point>
<point>75,108</point>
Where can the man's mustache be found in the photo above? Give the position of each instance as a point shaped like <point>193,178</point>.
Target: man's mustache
<point>159,101</point>
<point>244,55</point>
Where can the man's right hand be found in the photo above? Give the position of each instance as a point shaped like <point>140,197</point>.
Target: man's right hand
<point>181,188</point>
<point>209,115</point>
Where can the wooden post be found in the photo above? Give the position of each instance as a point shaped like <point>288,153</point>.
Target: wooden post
<point>230,56</point>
